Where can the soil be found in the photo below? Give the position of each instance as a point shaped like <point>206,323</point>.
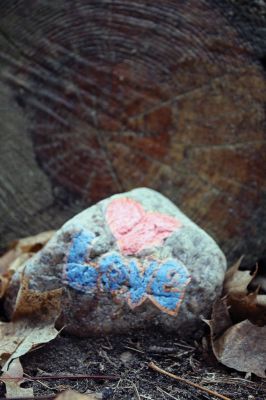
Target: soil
<point>128,358</point>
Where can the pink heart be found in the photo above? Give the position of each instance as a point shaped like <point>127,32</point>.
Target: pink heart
<point>136,229</point>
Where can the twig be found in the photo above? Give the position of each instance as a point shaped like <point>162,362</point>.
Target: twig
<point>167,394</point>
<point>136,392</point>
<point>133,348</point>
<point>161,350</point>
<point>103,354</point>
<point>187,382</point>
<point>186,346</point>
<point>52,377</point>
<point>30,398</point>
<point>41,383</point>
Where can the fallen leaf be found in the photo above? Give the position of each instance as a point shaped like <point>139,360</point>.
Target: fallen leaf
<point>245,295</point>
<point>238,324</point>
<point>13,379</point>
<point>3,285</point>
<point>18,338</point>
<point>247,307</point>
<point>71,395</point>
<point>33,318</point>
<point>236,281</point>
<point>43,306</point>
<point>20,251</point>
<point>32,322</point>
<point>18,262</point>
<point>32,244</point>
<point>241,346</point>
<point>6,259</point>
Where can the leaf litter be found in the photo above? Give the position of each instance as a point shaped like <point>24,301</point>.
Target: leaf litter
<point>13,380</point>
<point>30,325</point>
<point>19,252</point>
<point>238,322</point>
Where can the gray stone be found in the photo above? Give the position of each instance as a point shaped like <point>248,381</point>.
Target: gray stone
<point>131,261</point>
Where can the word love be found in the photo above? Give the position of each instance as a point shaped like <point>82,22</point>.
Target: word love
<point>162,282</point>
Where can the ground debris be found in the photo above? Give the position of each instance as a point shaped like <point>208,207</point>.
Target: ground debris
<point>70,355</point>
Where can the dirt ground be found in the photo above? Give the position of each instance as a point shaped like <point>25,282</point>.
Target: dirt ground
<point>127,357</point>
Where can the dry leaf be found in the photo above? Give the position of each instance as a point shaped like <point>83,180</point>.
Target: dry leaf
<point>260,278</point>
<point>71,395</point>
<point>33,318</point>
<point>18,338</point>
<point>236,281</point>
<point>34,304</point>
<point>238,324</point>
<point>3,285</point>
<point>18,262</point>
<point>6,259</point>
<point>13,388</point>
<point>241,346</point>
<point>32,244</point>
<point>20,251</point>
<point>32,323</point>
<point>243,293</point>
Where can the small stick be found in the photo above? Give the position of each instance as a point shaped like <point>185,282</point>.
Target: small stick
<point>167,394</point>
<point>161,350</point>
<point>187,382</point>
<point>136,391</point>
<point>30,398</point>
<point>133,348</point>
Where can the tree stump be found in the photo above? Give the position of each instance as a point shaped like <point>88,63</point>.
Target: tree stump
<point>99,97</point>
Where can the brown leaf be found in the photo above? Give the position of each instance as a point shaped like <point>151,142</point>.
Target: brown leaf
<point>13,267</point>
<point>18,262</point>
<point>249,307</point>
<point>3,285</point>
<point>32,244</point>
<point>6,259</point>
<point>32,322</point>
<point>71,395</point>
<point>13,388</point>
<point>20,251</point>
<point>261,300</point>
<point>18,338</point>
<point>242,288</point>
<point>241,346</point>
<point>236,281</point>
<point>34,304</point>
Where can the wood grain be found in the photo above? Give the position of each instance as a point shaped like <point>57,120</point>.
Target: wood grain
<point>98,97</point>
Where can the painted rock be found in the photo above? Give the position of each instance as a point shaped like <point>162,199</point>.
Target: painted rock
<point>131,261</point>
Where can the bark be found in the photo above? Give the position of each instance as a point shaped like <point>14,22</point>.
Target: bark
<point>100,97</point>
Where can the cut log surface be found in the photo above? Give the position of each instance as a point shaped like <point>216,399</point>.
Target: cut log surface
<point>99,97</point>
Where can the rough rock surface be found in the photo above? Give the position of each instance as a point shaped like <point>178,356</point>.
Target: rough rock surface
<point>131,261</point>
